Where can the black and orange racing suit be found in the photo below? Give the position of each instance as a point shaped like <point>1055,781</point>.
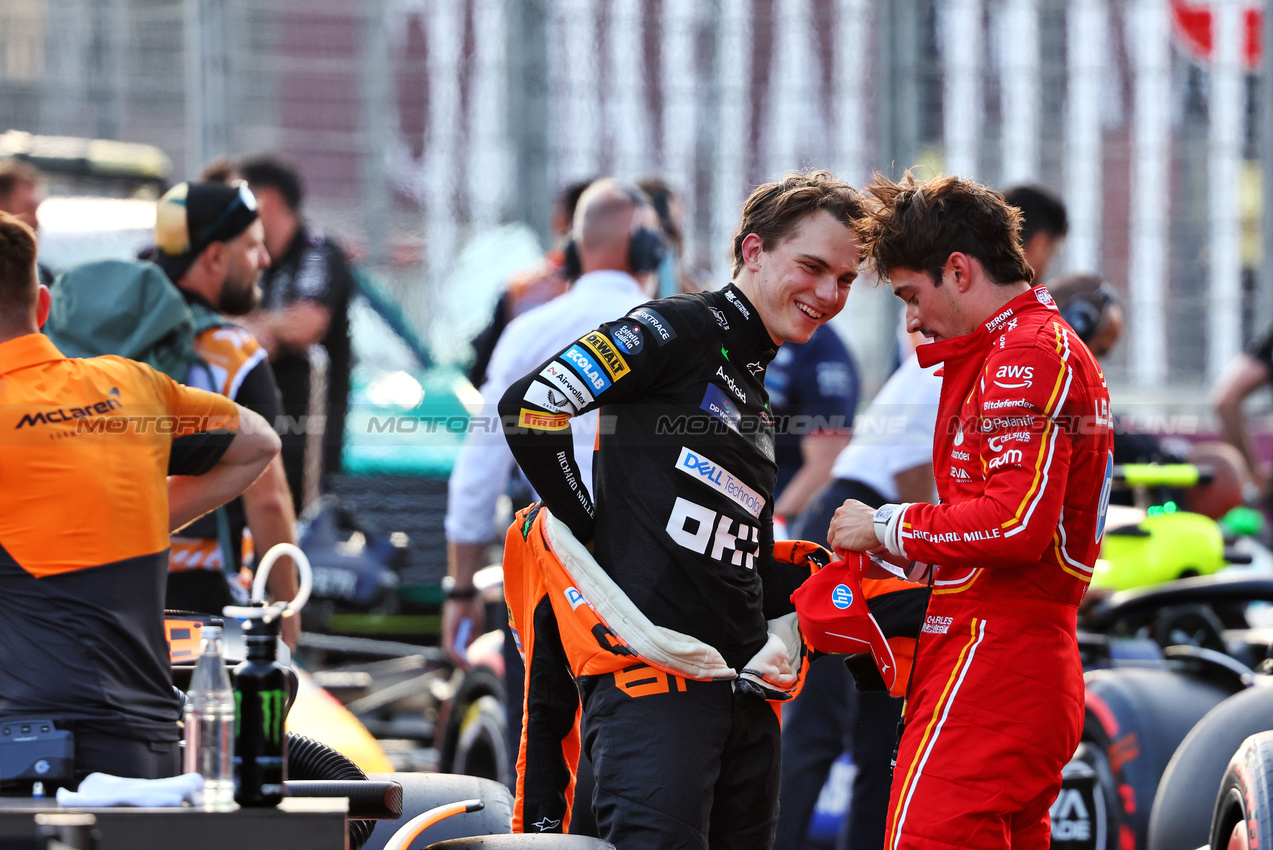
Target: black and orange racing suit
<point>1023,458</point>
<point>683,478</point>
<point>88,445</point>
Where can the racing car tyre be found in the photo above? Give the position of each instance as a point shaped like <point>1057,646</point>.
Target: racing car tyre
<point>1087,814</point>
<point>515,842</point>
<point>1138,716</point>
<point>1183,807</point>
<point>1244,810</point>
<point>476,738</point>
<point>424,791</point>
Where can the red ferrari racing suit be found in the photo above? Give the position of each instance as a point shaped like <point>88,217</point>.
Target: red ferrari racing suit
<point>1023,462</point>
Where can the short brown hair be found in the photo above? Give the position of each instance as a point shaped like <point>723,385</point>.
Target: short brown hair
<point>917,224</point>
<point>18,281</point>
<point>774,210</point>
<point>15,173</point>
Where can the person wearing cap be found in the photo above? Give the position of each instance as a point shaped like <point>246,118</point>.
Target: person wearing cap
<point>210,243</point>
<point>92,490</point>
<point>1023,460</point>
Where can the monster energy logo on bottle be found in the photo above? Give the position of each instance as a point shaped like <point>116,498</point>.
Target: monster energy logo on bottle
<point>272,715</point>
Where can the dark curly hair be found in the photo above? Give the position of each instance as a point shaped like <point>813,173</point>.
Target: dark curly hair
<point>917,224</point>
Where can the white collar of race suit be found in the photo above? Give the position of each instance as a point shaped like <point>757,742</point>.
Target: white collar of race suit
<point>775,668</point>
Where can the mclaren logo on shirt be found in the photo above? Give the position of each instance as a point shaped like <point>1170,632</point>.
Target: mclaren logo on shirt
<point>607,355</point>
<point>701,468</point>
<point>561,377</point>
<point>705,532</point>
<point>68,414</point>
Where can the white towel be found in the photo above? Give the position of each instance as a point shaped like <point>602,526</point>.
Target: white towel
<point>102,789</point>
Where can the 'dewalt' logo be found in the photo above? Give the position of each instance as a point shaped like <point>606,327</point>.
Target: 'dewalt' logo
<point>68,414</point>
<point>543,421</point>
<point>609,357</point>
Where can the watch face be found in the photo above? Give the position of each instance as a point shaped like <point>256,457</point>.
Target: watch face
<point>885,513</point>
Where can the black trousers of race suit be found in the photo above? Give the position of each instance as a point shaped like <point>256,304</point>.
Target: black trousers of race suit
<point>831,716</point>
<point>678,763</point>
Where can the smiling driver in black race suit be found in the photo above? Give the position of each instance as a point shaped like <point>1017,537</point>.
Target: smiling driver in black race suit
<point>683,520</point>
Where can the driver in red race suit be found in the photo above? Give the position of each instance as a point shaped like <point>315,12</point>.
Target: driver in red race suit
<point>1023,462</point>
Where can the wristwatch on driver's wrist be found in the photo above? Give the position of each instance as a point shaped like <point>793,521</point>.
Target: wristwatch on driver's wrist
<point>881,518</point>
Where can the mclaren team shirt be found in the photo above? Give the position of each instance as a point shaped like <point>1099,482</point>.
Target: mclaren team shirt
<point>85,450</point>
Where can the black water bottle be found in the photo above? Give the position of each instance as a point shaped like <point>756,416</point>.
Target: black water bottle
<point>260,697</point>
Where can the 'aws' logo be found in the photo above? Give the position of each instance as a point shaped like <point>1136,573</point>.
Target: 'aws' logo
<point>1017,376</point>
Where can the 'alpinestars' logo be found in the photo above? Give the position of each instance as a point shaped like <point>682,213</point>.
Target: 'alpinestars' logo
<point>546,823</point>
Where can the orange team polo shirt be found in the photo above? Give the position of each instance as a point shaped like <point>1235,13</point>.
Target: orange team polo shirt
<point>86,447</point>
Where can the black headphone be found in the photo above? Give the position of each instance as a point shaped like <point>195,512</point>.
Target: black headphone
<point>1088,313</point>
<point>571,265</point>
<point>646,250</point>
<point>646,247</point>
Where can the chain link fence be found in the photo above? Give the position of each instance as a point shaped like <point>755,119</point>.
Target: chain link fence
<point>421,125</point>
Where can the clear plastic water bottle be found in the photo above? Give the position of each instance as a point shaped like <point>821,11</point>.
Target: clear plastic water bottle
<point>209,721</point>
